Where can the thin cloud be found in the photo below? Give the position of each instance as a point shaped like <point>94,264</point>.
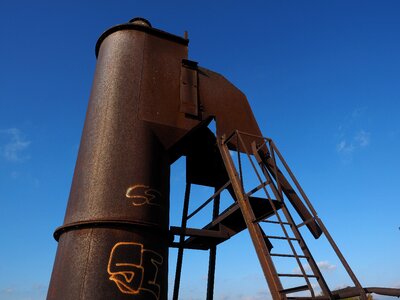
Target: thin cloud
<point>344,147</point>
<point>358,112</point>
<point>322,265</point>
<point>360,139</point>
<point>352,135</point>
<point>7,291</point>
<point>34,292</point>
<point>15,145</point>
<point>325,265</point>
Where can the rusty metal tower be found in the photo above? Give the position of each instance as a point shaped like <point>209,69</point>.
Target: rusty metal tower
<point>149,106</point>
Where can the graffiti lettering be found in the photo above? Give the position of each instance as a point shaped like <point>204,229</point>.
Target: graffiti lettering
<point>143,194</point>
<point>135,269</point>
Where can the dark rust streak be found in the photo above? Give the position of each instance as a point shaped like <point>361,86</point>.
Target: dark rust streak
<point>86,265</point>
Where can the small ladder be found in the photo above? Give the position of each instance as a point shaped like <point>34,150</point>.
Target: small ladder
<point>286,223</point>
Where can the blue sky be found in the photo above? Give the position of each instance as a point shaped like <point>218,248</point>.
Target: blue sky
<point>322,78</point>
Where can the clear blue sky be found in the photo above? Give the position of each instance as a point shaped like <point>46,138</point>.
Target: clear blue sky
<point>322,78</point>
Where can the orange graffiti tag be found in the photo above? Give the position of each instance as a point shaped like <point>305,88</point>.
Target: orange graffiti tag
<point>143,194</point>
<point>134,269</point>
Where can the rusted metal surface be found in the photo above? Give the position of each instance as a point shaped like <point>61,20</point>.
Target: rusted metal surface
<point>394,292</point>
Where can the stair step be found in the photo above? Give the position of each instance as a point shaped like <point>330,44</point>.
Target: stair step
<point>275,222</point>
<point>281,238</point>
<point>296,275</point>
<point>287,255</point>
<point>190,246</point>
<point>294,289</point>
<point>218,234</point>
<point>232,218</point>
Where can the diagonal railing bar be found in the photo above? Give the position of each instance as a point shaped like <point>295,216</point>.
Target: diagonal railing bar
<point>209,200</point>
<point>228,139</point>
<point>275,169</point>
<point>239,160</point>
<point>257,188</point>
<point>253,135</point>
<point>298,186</point>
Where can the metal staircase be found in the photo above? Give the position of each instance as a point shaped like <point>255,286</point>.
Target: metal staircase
<point>250,212</point>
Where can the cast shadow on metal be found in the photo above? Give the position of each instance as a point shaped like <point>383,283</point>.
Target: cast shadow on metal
<point>149,106</point>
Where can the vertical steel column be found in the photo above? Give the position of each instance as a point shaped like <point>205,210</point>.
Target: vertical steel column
<point>213,254</point>
<point>181,240</point>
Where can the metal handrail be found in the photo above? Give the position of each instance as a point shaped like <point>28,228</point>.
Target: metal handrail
<point>208,200</point>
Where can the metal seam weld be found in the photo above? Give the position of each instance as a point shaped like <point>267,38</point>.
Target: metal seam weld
<point>101,223</point>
